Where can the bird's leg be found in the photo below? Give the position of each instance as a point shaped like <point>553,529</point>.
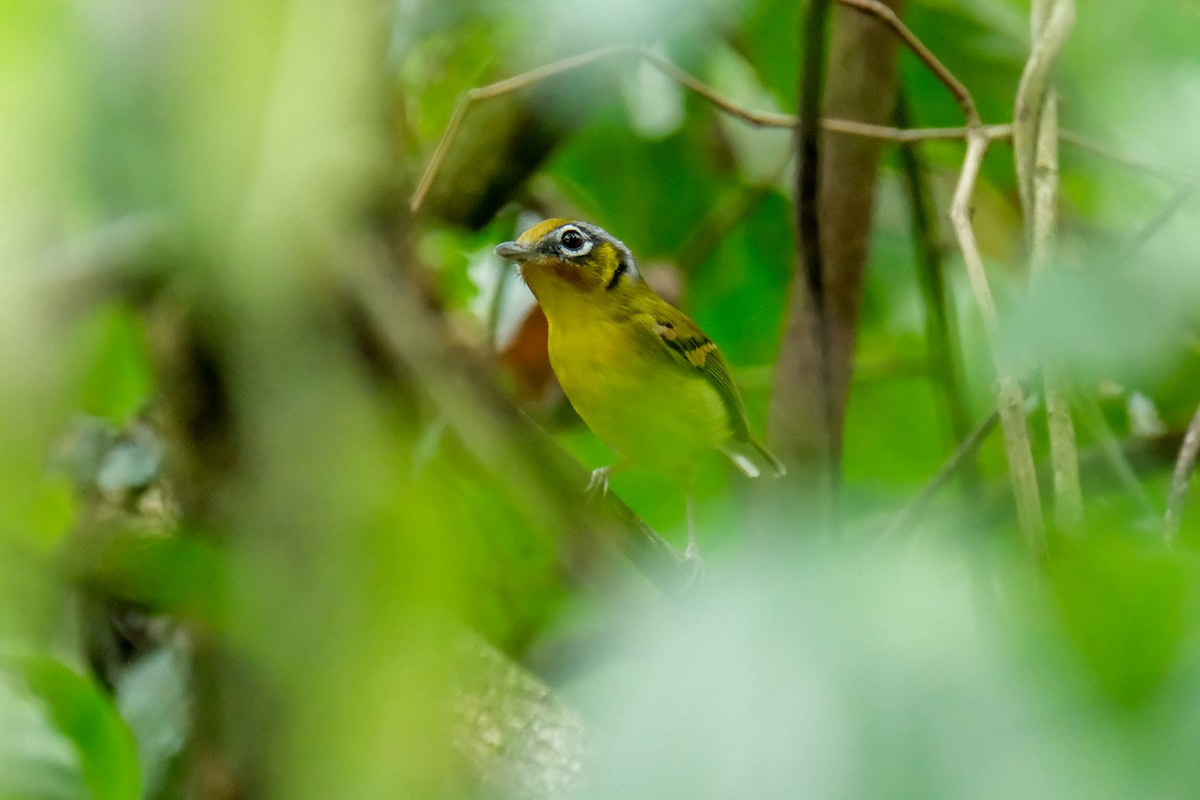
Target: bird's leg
<point>598,483</point>
<point>692,551</point>
<point>692,554</point>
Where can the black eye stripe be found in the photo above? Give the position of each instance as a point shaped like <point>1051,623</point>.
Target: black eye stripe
<point>622,268</point>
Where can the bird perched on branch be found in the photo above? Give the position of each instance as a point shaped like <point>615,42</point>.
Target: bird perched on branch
<point>640,373</point>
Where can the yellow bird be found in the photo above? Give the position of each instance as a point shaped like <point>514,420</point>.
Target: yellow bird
<point>640,373</point>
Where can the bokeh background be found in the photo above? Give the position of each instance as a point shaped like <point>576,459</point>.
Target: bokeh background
<point>291,505</point>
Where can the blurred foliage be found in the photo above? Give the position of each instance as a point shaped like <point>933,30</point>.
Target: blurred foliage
<point>316,602</point>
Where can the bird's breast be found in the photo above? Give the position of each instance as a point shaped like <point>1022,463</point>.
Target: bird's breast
<point>633,393</point>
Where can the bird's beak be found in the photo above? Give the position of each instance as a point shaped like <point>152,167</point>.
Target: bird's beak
<point>514,250</point>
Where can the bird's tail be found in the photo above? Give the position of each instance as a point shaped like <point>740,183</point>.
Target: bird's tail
<point>752,458</point>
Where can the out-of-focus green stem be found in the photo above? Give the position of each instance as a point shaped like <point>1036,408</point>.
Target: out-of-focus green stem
<point>1035,143</point>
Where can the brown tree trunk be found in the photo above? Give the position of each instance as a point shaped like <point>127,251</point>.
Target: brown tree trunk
<point>815,363</point>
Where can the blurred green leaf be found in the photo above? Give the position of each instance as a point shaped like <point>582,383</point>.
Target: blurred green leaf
<point>37,762</point>
<point>1099,324</point>
<point>153,699</point>
<point>830,676</point>
<point>88,719</point>
<point>620,191</point>
<point>738,293</point>
<point>1129,608</point>
<point>114,369</point>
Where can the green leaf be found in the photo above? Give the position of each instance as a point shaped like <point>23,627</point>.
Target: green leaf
<point>114,373</point>
<point>89,720</point>
<point>36,761</point>
<point>153,698</point>
<point>1128,610</point>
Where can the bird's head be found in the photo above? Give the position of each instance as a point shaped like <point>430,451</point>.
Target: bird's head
<point>561,257</point>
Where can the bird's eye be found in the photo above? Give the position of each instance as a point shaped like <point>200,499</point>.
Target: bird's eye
<point>572,239</point>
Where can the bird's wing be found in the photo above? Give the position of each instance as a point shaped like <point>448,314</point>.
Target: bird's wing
<point>686,344</point>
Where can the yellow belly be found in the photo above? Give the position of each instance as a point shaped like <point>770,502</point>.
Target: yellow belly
<point>647,406</point>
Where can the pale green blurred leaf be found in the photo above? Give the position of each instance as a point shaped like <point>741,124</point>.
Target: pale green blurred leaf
<point>87,719</point>
<point>153,699</point>
<point>37,762</point>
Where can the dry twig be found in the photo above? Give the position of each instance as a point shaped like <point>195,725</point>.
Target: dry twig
<point>961,455</point>
<point>1035,145</point>
<point>941,329</point>
<point>948,79</point>
<point>1010,401</point>
<point>1160,218</point>
<point>1185,464</point>
<point>978,137</point>
<point>767,119</point>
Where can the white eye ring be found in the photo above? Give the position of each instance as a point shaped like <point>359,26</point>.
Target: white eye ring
<point>584,247</point>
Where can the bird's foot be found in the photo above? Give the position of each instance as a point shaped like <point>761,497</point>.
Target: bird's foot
<point>598,484</point>
<point>692,559</point>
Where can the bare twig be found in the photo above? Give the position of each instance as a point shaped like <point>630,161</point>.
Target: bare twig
<point>1095,424</point>
<point>1185,464</point>
<point>957,460</point>
<point>904,135</point>
<point>1009,398</point>
<point>771,119</point>
<point>1035,146</point>
<point>1010,402</point>
<point>1051,27</point>
<point>1161,217</point>
<point>493,90</point>
<point>1064,456</point>
<point>940,328</point>
<point>762,119</point>
<point>1141,165</point>
<point>961,95</point>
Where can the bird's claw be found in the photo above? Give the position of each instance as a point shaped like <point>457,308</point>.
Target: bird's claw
<point>691,558</point>
<point>598,484</point>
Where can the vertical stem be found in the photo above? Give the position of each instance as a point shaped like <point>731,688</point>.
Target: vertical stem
<point>1185,464</point>
<point>808,226</point>
<point>1064,456</point>
<point>1035,139</point>
<point>940,327</point>
<point>1009,400</point>
<point>853,76</point>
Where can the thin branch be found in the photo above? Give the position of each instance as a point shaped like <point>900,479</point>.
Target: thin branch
<point>757,118</point>
<point>1095,424</point>
<point>768,119</point>
<point>1010,402</point>
<point>959,459</point>
<point>1031,92</point>
<point>904,135</point>
<point>494,90</point>
<point>961,95</point>
<point>1133,162</point>
<point>1161,217</point>
<point>940,329</point>
<point>1035,146</point>
<point>1064,455</point>
<point>1185,464</point>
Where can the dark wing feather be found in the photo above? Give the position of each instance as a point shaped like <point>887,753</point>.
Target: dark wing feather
<point>688,345</point>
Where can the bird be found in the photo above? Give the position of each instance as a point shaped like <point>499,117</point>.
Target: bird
<point>639,372</point>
